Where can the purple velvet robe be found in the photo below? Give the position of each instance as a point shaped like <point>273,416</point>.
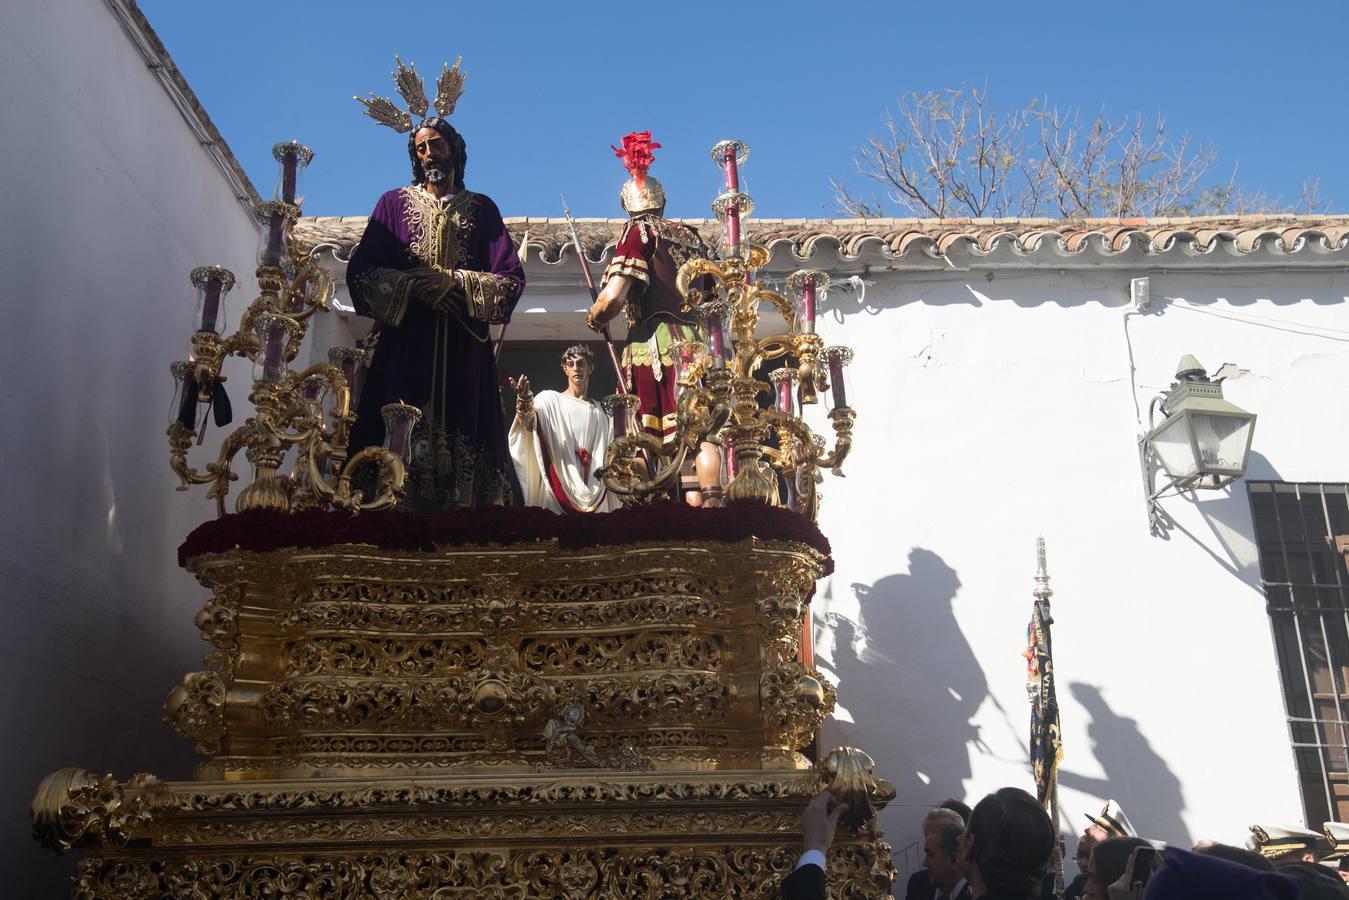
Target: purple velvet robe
<point>435,349</point>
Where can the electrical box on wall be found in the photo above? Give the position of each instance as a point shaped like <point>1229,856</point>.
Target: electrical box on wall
<point>1140,294</point>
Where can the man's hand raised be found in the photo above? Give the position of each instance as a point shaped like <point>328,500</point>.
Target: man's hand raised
<point>524,398</point>
<point>820,821</point>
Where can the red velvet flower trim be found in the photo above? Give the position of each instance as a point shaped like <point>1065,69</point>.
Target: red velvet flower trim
<point>636,154</point>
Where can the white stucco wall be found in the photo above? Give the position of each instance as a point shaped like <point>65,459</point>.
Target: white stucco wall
<point>991,410</point>
<point>109,202</point>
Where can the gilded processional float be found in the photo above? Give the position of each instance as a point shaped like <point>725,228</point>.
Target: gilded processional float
<point>496,702</point>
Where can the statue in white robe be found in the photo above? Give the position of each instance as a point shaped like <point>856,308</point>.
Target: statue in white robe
<point>559,438</point>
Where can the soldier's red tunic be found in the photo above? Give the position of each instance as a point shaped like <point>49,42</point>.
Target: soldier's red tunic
<point>650,250</point>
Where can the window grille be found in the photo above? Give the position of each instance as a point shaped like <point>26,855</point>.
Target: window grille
<point>1307,595</point>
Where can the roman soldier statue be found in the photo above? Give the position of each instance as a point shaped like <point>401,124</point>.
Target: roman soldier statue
<point>436,269</point>
<point>640,280</point>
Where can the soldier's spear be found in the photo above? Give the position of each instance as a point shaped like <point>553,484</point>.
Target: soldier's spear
<point>594,295</point>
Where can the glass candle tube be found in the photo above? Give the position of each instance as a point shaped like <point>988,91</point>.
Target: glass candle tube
<point>312,388</point>
<point>346,359</point>
<point>399,418</point>
<point>783,380</point>
<point>623,408</point>
<point>182,384</point>
<point>686,357</point>
<point>733,230</point>
<point>837,359</point>
<point>292,158</point>
<point>732,461</point>
<point>808,285</point>
<point>318,286</point>
<point>729,156</point>
<point>274,331</point>
<point>716,338</point>
<point>272,216</point>
<point>212,284</point>
<point>730,167</point>
<point>808,304</point>
<point>358,381</point>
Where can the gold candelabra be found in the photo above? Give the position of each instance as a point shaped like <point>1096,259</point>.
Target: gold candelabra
<point>288,406</point>
<point>720,380</point>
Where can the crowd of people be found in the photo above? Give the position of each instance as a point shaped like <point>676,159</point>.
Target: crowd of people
<point>1004,849</point>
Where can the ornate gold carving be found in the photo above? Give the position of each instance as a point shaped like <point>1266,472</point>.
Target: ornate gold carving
<point>443,659</point>
<point>543,698</point>
<point>73,806</point>
<point>219,619</point>
<point>795,701</point>
<point>530,836</point>
<point>851,777</point>
<point>567,874</point>
<point>583,654</point>
<point>564,744</point>
<point>196,710</point>
<point>384,656</point>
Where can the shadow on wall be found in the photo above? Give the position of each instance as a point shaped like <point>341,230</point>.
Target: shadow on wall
<point>1227,513</point>
<point>906,669</point>
<point>1134,774</point>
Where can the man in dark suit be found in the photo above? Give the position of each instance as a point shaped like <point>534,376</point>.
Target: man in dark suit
<point>953,812</point>
<point>818,824</point>
<point>940,847</point>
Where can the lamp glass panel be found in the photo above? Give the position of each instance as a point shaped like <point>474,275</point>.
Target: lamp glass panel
<point>1222,442</point>
<point>1172,445</point>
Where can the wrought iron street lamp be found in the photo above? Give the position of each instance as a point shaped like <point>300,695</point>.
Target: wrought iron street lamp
<point>1203,443</point>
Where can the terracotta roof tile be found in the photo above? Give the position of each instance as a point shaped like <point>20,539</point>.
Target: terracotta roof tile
<point>549,238</point>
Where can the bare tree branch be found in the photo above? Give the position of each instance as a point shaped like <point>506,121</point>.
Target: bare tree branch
<point>952,154</point>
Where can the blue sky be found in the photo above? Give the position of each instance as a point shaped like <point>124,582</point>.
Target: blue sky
<point>552,84</point>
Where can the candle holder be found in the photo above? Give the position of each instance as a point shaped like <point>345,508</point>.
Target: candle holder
<point>212,283</point>
<point>808,285</point>
<point>275,219</point>
<point>180,371</point>
<point>690,359</point>
<point>783,380</point>
<point>274,332</point>
<point>721,404</point>
<point>716,319</point>
<point>622,408</point>
<point>292,158</point>
<point>837,360</point>
<point>352,362</point>
<point>288,408</point>
<point>730,209</point>
<point>399,418</point>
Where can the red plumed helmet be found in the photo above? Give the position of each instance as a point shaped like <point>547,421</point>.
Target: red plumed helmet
<point>636,154</point>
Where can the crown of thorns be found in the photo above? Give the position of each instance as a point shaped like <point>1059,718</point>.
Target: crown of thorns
<point>449,87</point>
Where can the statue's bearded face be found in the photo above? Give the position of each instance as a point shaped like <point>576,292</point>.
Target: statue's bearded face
<point>433,152</point>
